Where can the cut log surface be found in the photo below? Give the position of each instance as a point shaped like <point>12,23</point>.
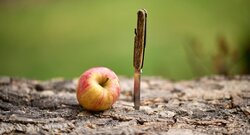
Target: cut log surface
<point>209,105</point>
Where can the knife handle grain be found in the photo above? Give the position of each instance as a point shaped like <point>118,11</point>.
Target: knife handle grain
<point>140,39</point>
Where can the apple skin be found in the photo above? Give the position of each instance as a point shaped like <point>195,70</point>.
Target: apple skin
<point>98,89</point>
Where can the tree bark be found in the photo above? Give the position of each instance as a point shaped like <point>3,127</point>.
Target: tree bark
<point>209,105</point>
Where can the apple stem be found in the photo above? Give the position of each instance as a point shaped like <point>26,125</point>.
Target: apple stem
<point>103,83</point>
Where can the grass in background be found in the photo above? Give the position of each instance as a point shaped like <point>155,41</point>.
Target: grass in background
<point>64,38</point>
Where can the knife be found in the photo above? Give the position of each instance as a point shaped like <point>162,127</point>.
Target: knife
<point>139,51</point>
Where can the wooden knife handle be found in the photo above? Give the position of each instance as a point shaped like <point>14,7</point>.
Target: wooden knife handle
<point>140,39</point>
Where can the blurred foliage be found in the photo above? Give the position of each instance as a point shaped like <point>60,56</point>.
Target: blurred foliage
<point>185,39</point>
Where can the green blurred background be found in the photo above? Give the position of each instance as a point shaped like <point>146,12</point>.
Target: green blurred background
<point>185,39</point>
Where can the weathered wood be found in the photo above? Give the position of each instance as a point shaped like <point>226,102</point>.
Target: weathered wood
<point>210,105</point>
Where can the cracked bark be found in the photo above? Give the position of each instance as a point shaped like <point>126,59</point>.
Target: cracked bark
<point>209,105</point>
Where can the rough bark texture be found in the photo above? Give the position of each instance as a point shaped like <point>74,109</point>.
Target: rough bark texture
<point>209,105</point>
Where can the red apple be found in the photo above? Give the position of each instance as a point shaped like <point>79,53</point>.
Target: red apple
<point>98,89</point>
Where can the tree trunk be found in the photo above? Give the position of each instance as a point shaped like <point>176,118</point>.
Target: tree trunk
<point>209,105</point>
